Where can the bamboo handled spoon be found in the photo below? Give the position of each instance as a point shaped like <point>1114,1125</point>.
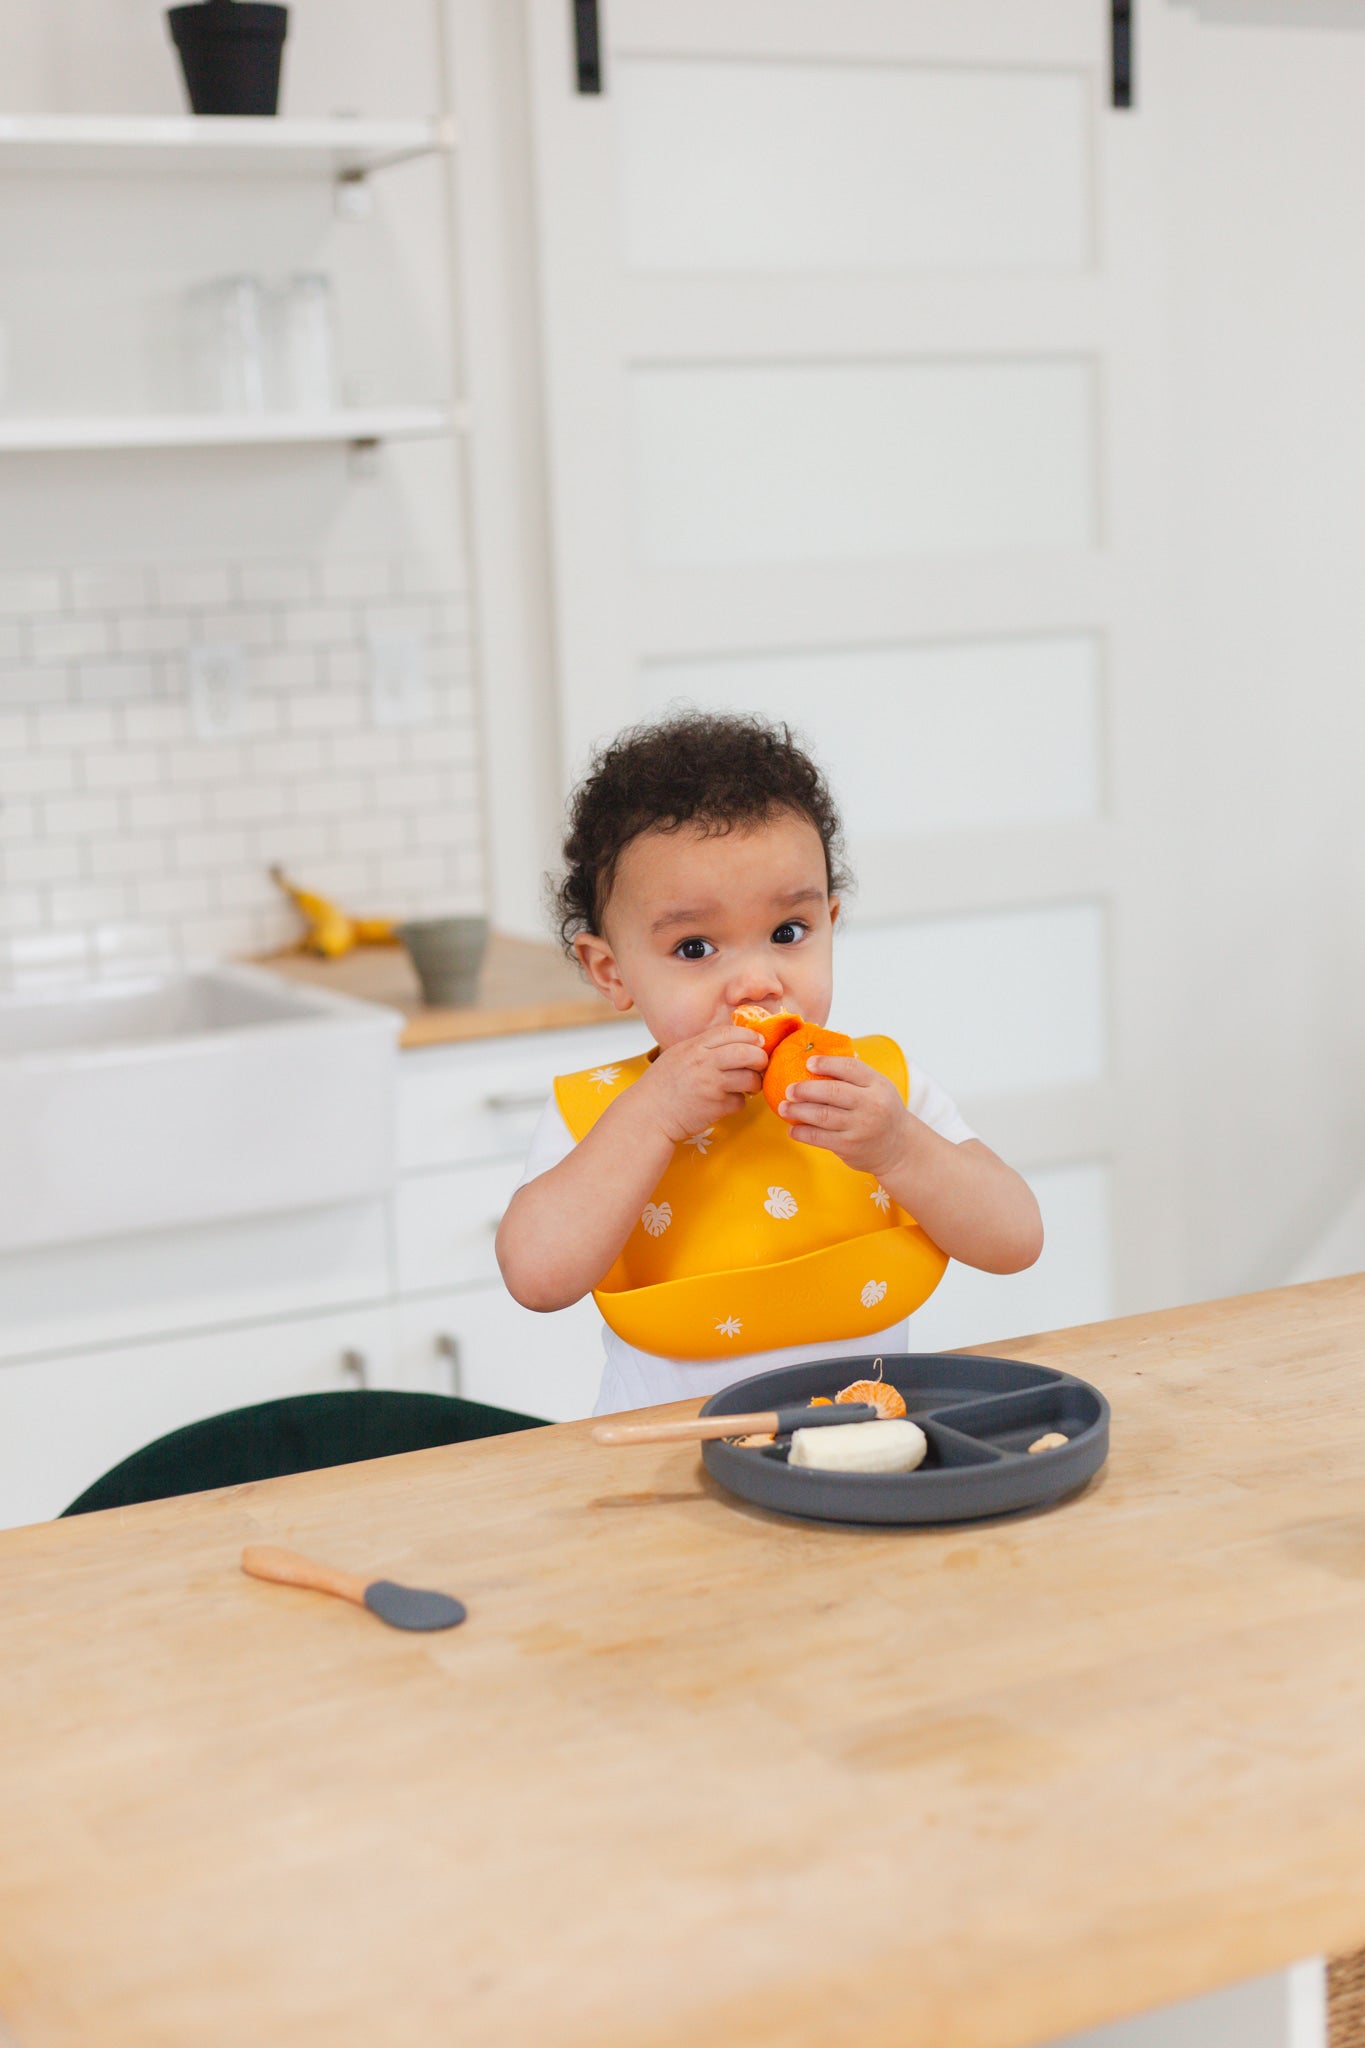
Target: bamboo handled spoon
<point>400,1606</point>
<point>706,1428</point>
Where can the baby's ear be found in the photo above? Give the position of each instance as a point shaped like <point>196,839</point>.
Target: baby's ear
<point>598,962</point>
<point>834,910</point>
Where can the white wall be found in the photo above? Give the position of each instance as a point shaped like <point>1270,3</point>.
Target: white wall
<point>1266,224</point>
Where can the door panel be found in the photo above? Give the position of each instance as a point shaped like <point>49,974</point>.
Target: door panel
<point>795,462</point>
<point>838,166</point>
<point>942,737</point>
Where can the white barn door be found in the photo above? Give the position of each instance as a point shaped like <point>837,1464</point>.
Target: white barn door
<point>853,417</point>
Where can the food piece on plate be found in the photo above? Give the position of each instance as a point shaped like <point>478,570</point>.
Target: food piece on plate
<point>819,1401</point>
<point>860,1447</point>
<point>1053,1441</point>
<point>750,1443</point>
<point>887,1400</point>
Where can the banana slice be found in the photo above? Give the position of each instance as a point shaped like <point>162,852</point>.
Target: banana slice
<point>860,1447</point>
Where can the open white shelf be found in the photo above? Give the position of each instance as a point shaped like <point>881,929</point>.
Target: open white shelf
<point>224,430</point>
<point>343,149</point>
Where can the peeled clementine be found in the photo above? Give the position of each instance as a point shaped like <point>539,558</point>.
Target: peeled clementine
<point>886,1399</point>
<point>770,1027</point>
<point>787,1060</point>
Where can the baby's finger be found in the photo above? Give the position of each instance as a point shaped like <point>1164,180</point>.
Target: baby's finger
<point>842,1067</point>
<point>733,1034</point>
<point>826,1115</point>
<point>837,1092</point>
<point>748,1054</point>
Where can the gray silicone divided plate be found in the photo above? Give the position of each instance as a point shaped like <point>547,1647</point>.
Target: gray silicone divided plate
<point>979,1414</point>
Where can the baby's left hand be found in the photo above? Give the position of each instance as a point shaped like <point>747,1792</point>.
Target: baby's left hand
<point>851,1110</point>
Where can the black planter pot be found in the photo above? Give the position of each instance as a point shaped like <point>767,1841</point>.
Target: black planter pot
<point>230,53</point>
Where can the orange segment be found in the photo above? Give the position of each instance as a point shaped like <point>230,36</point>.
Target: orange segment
<point>771,1027</point>
<point>888,1403</point>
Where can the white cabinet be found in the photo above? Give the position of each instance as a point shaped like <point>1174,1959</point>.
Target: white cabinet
<point>481,1344</point>
<point>106,1346</point>
<point>64,1421</point>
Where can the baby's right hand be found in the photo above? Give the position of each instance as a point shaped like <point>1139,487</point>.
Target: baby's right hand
<point>696,1082</point>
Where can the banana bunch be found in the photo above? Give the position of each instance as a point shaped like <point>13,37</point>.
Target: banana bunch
<point>332,932</point>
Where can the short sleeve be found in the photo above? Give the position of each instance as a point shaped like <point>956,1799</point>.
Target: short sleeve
<point>934,1106</point>
<point>551,1141</point>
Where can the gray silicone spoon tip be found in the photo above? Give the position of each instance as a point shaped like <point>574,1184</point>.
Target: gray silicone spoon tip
<point>400,1606</point>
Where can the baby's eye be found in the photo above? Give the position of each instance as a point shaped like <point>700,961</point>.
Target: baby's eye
<point>694,949</point>
<point>789,933</point>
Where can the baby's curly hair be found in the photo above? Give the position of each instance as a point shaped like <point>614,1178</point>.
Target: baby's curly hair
<point>694,768</point>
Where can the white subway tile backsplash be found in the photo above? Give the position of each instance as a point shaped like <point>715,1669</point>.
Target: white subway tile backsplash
<point>248,803</point>
<point>356,578</point>
<point>116,682</point>
<point>132,858</point>
<point>215,761</point>
<point>290,840</point>
<point>162,810</point>
<point>320,625</point>
<point>153,632</point>
<point>43,860</point>
<point>22,910</point>
<point>324,711</point>
<point>87,903</point>
<point>25,687</point>
<point>55,730</point>
<point>68,639</point>
<point>34,774</point>
<point>411,790</point>
<point>275,582</point>
<point>173,896</point>
<point>198,852</point>
<point>120,589</point>
<point>24,592</point>
<point>285,668</point>
<point>338,797</point>
<point>126,838</point>
<point>18,822</point>
<point>124,768</point>
<point>80,817</point>
<point>251,629</point>
<point>156,725</point>
<point>181,585</point>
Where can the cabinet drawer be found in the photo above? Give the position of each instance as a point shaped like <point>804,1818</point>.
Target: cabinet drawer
<point>483,1345</point>
<point>445,1224</point>
<point>66,1420</point>
<point>482,1101</point>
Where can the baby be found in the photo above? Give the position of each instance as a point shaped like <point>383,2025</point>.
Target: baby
<point>702,874</point>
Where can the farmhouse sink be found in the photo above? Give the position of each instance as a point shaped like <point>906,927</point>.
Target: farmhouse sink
<point>188,1098</point>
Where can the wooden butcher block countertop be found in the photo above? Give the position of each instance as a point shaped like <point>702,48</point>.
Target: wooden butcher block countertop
<point>692,1775</point>
<point>525,986</point>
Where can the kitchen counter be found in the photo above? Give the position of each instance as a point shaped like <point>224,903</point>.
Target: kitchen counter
<point>525,986</point>
<point>693,1774</point>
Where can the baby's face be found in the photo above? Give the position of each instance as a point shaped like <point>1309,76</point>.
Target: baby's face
<point>698,924</point>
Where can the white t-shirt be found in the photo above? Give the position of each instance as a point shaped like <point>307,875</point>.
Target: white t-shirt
<point>640,1379</point>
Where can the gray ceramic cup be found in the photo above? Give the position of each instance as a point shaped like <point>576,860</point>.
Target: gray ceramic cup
<point>447,953</point>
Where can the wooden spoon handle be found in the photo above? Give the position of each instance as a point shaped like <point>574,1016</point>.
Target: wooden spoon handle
<point>288,1568</point>
<point>699,1430</point>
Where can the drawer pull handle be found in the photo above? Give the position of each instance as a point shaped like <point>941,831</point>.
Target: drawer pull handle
<point>448,1347</point>
<point>512,1104</point>
<point>355,1366</point>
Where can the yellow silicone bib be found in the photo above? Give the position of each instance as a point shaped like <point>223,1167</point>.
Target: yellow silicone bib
<point>751,1240</point>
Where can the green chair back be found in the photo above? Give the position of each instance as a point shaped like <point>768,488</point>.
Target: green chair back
<point>304,1433</point>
